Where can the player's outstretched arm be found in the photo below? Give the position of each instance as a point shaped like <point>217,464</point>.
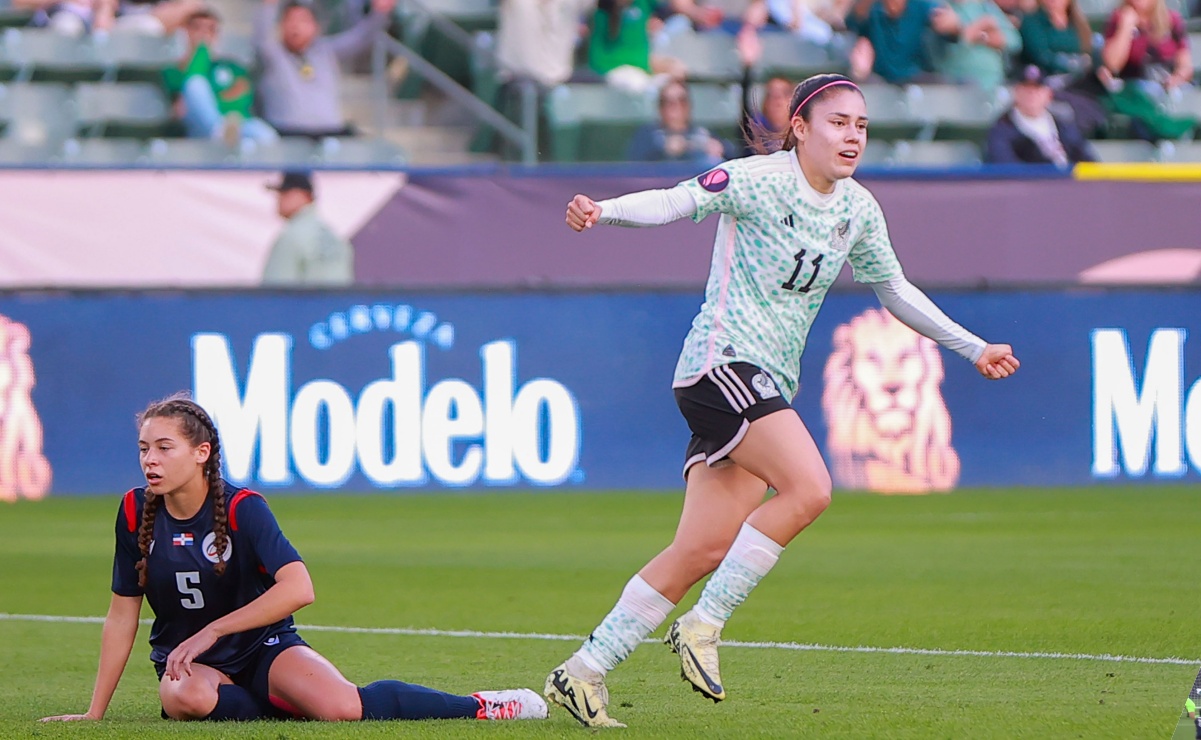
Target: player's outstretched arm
<point>582,213</point>
<point>997,361</point>
<point>293,590</point>
<point>116,642</point>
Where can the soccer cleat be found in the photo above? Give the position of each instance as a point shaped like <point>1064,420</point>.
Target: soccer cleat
<point>581,692</point>
<point>696,644</point>
<point>510,704</point>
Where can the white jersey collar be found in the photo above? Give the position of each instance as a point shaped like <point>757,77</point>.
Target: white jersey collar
<point>808,194</point>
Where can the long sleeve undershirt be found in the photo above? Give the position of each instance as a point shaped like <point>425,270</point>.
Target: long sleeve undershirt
<point>902,298</point>
<point>913,308</point>
<point>648,207</point>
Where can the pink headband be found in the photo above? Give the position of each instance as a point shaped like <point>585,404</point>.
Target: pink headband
<point>823,87</point>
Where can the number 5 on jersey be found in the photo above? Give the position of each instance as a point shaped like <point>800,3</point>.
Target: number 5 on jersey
<point>187,582</point>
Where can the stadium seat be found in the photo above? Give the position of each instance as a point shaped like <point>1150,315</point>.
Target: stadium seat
<point>787,56</point>
<point>593,123</point>
<point>877,154</point>
<point>955,111</point>
<point>37,113</point>
<point>190,153</point>
<point>14,152</point>
<point>1116,150</point>
<point>936,154</point>
<point>135,109</point>
<point>238,47</point>
<point>889,114</point>
<point>103,152</point>
<point>45,56</point>
<point>1179,151</point>
<point>708,57</point>
<point>136,57</point>
<point>1098,11</point>
<point>717,108</point>
<point>360,152</point>
<point>287,152</point>
<point>448,51</point>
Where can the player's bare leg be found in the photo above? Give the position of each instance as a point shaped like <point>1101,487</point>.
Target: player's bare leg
<point>777,449</point>
<point>716,501</point>
<point>313,687</point>
<point>194,696</point>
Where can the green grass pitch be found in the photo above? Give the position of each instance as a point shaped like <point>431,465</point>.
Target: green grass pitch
<point>1108,570</point>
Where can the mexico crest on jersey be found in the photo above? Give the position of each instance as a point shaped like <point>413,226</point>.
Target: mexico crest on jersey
<point>840,236</point>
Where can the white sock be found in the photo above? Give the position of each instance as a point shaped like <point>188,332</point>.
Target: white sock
<point>639,611</point>
<point>750,558</point>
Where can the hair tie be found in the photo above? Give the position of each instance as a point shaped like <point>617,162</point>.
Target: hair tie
<point>796,112</point>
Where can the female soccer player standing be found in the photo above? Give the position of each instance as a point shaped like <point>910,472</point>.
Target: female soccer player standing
<point>223,582</point>
<point>789,221</point>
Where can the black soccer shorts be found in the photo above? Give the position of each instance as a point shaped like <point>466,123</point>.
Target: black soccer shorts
<point>720,406</point>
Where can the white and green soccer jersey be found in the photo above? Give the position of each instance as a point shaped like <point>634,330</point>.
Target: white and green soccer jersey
<point>779,246</point>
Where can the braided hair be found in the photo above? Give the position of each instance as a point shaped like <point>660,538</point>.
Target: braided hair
<point>807,94</point>
<point>197,427</point>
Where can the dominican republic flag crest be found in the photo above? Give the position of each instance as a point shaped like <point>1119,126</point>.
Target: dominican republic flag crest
<point>182,540</point>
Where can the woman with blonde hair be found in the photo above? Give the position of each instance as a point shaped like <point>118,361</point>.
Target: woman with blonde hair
<point>1147,51</point>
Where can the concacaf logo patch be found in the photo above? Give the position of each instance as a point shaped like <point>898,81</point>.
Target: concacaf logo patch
<point>714,181</point>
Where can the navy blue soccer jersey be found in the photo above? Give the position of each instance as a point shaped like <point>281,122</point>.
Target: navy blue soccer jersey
<point>181,586</point>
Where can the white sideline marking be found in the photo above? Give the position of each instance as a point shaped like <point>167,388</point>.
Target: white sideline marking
<point>796,646</point>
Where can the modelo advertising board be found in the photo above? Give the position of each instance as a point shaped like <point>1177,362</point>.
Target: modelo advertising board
<point>378,391</point>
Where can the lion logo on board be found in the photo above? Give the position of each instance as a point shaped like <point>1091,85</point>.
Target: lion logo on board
<point>889,428</point>
<point>24,470</point>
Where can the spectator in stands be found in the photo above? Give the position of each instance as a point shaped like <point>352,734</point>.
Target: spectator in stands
<point>151,17</point>
<point>213,96</point>
<point>536,39</point>
<point>307,251</point>
<point>732,16</point>
<point>976,52</point>
<point>1146,49</point>
<point>1031,133</point>
<point>894,36</point>
<point>675,137</point>
<point>1056,37</point>
<point>300,80</point>
<point>814,21</point>
<point>773,116</point>
<point>619,46</point>
<point>74,18</point>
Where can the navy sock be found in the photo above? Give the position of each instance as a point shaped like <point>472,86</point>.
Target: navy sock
<point>398,700</point>
<point>236,703</point>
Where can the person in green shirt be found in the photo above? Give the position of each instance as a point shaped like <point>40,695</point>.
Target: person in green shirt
<point>1056,38</point>
<point>619,45</point>
<point>307,252</point>
<point>982,40</point>
<point>1191,707</point>
<point>213,96</point>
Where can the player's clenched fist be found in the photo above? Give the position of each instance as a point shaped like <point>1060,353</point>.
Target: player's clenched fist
<point>997,361</point>
<point>582,212</point>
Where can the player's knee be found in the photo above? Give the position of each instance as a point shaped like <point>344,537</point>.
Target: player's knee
<point>188,700</point>
<point>339,709</point>
<point>703,557</point>
<point>808,495</point>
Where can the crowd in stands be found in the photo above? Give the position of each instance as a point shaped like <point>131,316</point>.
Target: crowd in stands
<point>1065,81</point>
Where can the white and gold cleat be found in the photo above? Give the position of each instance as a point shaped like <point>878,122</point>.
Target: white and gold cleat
<point>695,641</point>
<point>581,691</point>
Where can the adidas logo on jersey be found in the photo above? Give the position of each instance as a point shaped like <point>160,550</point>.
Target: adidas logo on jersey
<point>789,221</point>
<point>729,351</point>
